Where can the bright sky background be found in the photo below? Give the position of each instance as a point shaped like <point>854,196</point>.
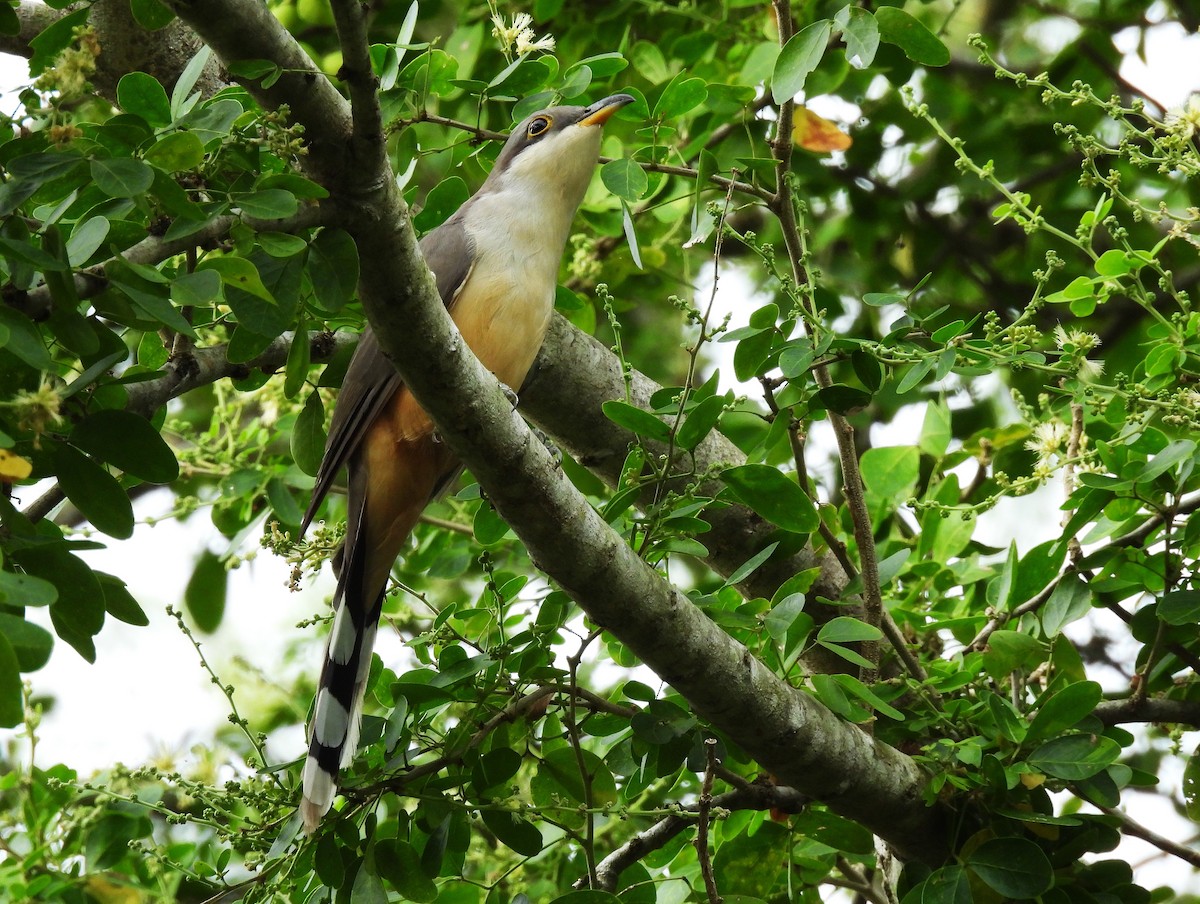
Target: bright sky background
<point>147,693</point>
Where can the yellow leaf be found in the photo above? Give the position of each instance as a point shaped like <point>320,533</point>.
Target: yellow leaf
<point>814,133</point>
<point>13,467</point>
<point>1032,779</point>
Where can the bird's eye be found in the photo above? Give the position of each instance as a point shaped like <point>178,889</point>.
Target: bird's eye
<point>538,126</point>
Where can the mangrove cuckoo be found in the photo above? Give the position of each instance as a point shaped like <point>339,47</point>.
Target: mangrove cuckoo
<point>496,262</point>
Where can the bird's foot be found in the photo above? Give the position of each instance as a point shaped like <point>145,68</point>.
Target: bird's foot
<point>551,446</point>
<point>509,394</point>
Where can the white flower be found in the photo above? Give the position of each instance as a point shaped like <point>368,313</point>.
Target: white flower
<point>526,43</point>
<point>1078,339</point>
<point>1090,370</point>
<point>1048,439</point>
<point>520,35</point>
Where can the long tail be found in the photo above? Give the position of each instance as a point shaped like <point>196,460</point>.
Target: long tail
<point>333,735</point>
<point>391,479</point>
<point>333,732</point>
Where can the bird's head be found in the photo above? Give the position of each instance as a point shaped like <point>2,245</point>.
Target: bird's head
<point>554,149</point>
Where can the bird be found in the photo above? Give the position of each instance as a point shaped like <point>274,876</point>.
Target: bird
<point>496,263</point>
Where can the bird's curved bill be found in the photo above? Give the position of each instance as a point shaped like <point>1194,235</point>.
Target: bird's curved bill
<point>599,112</point>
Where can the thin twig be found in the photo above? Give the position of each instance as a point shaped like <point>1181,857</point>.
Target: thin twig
<point>585,776</point>
<point>702,822</point>
<point>758,796</point>
<point>256,740</point>
<point>1074,549</point>
<point>784,207</point>
<point>1137,830</point>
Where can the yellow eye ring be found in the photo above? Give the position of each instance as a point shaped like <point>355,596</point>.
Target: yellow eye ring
<point>538,126</point>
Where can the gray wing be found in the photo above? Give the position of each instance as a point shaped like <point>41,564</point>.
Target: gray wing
<point>371,381</point>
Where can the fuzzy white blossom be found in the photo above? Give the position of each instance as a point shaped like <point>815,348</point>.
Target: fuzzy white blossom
<point>1048,439</point>
<point>1078,340</point>
<point>519,36</point>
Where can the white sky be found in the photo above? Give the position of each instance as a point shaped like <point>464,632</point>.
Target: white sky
<point>146,692</point>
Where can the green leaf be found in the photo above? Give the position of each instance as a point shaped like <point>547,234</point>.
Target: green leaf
<point>751,565</point>
<point>1178,451</point>
<point>630,232</point>
<point>868,696</point>
<point>24,340</point>
<point>129,442</point>
<point>637,420</point>
<point>440,204</point>
<point>681,95</point>
<point>30,643</point>
<point>78,611</point>
<point>298,360</point>
<point>207,588</point>
<point>333,269</point>
<point>861,34</point>
<point>1014,867</point>
<point>774,496</point>
<point>700,422</point>
<point>915,374</point>
<point>835,831</point>
<point>489,528</point>
<point>181,94</point>
<point>786,613</point>
<point>119,602</point>
<point>514,831</point>
<point>604,64</point>
<point>280,244</point>
<point>308,435</point>
<point>144,96</point>
<point>745,865</point>
<point>177,152</point>
<point>26,590</point>
<point>12,703</point>
<point>268,204</point>
<point>122,177</point>
<point>195,289</point>
<point>949,885</point>
<point>86,239</point>
<point>559,772</point>
<point>1064,709</point>
<point>368,887</point>
<point>936,431</point>
<point>95,492</point>
<point>328,861</point>
<point>844,399</point>
<point>1070,601</point>
<point>1115,262</point>
<point>1180,607</point>
<point>10,23</point>
<point>151,14</point>
<point>918,43</point>
<point>1008,651</point>
<point>399,863</point>
<point>890,472</point>
<point>1191,786</point>
<point>845,629</point>
<point>1075,757</point>
<point>866,367</point>
<point>624,178</point>
<point>238,273</point>
<point>798,58</point>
